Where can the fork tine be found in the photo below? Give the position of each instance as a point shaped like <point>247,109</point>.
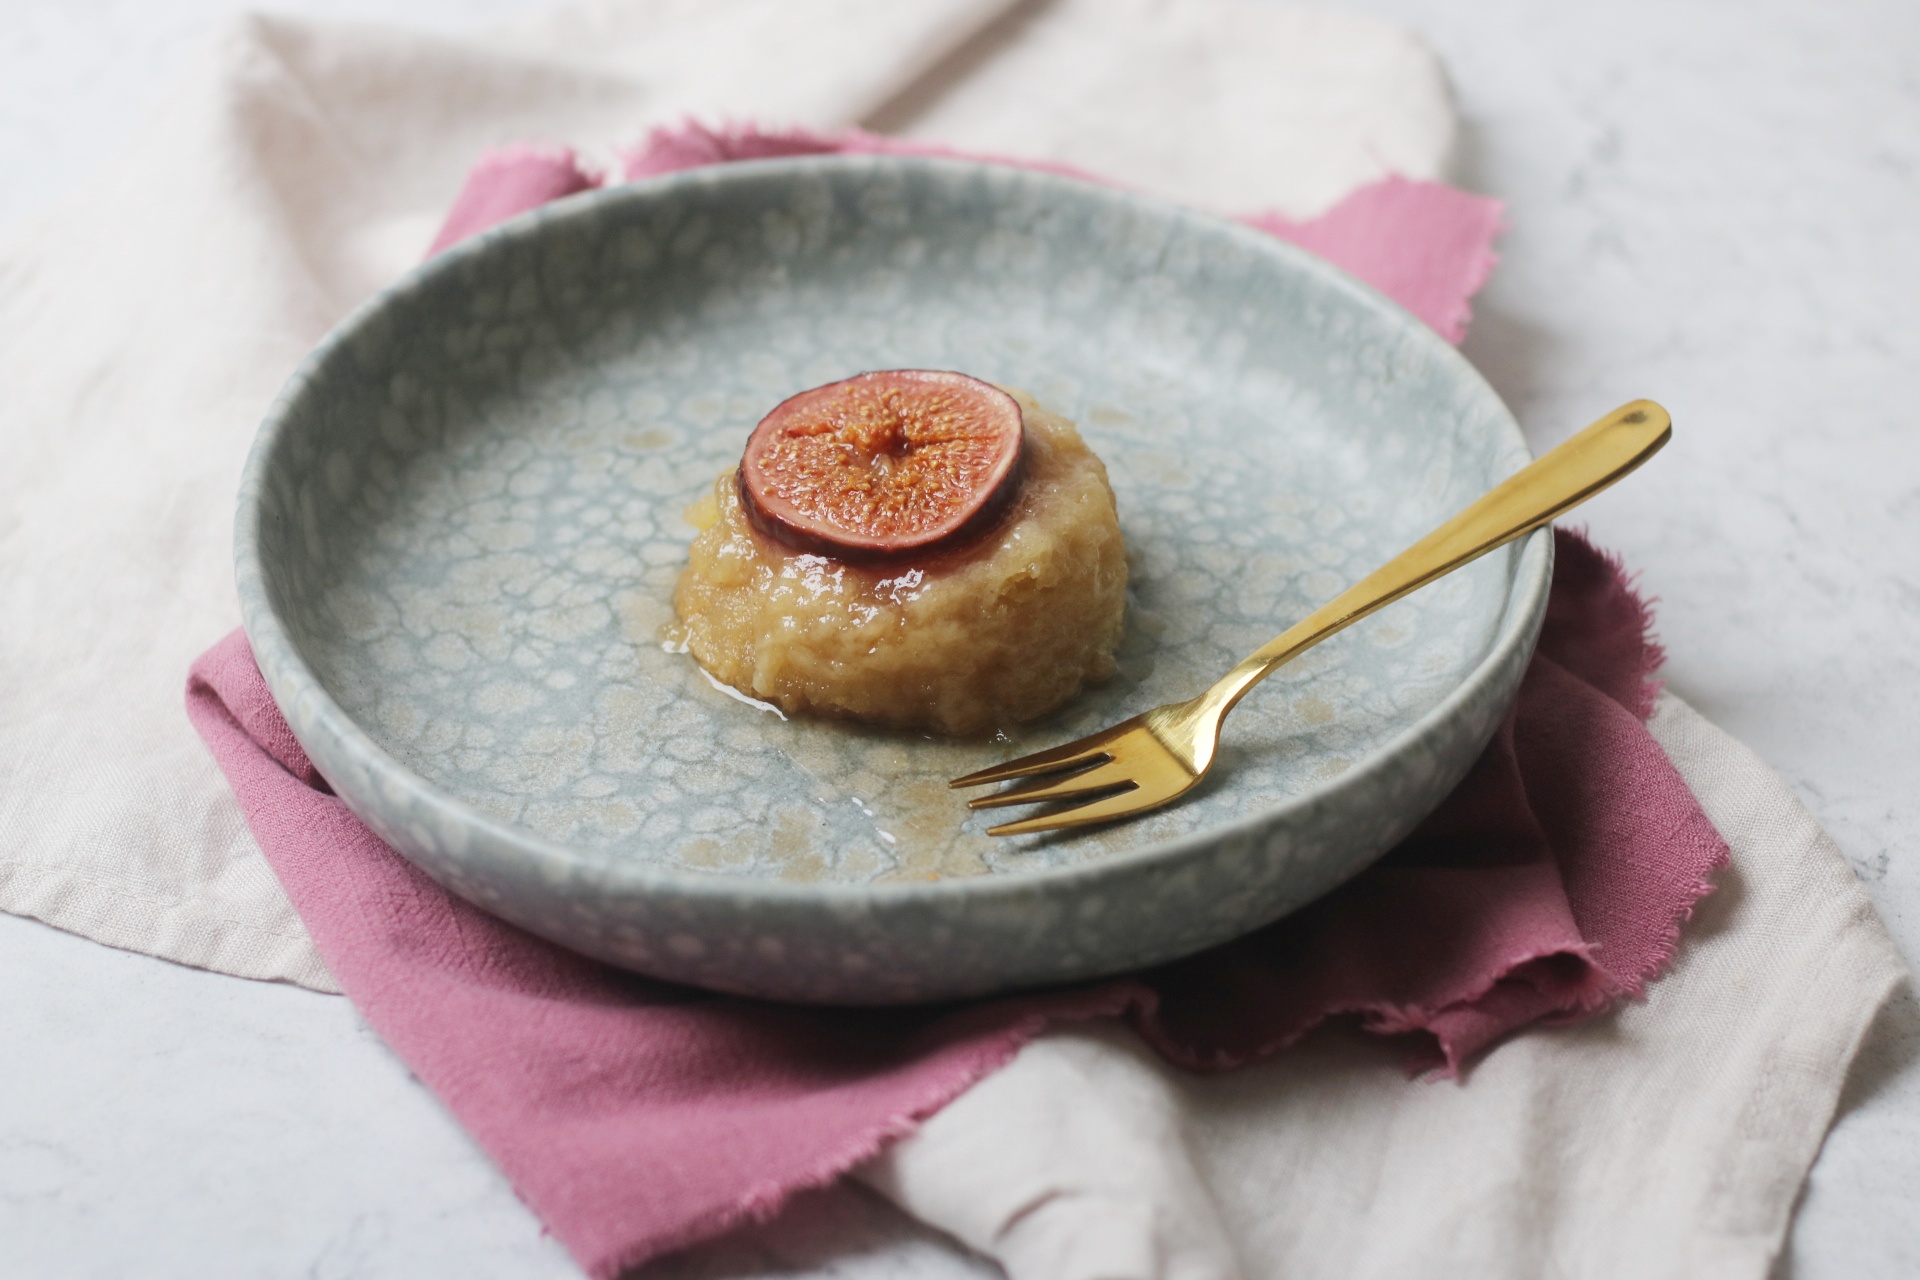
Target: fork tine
<point>1080,752</point>
<point>1102,809</point>
<point>1054,787</point>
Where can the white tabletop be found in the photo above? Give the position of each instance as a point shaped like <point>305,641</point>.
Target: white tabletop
<point>1715,205</point>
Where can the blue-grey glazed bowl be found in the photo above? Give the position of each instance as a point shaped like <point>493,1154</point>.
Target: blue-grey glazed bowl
<point>461,526</point>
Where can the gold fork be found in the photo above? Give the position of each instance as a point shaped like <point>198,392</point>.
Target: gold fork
<point>1155,758</point>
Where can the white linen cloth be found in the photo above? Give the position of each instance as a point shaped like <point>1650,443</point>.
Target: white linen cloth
<point>146,322</point>
<point>1667,1140</point>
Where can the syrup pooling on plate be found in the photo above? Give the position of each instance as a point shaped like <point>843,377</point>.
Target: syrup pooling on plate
<point>975,632</point>
<point>462,628</point>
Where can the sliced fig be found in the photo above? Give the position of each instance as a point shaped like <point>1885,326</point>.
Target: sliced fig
<point>884,466</point>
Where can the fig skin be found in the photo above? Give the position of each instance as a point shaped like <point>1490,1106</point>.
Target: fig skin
<point>885,466</point>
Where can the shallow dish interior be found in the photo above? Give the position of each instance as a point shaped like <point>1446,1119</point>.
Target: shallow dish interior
<point>471,507</point>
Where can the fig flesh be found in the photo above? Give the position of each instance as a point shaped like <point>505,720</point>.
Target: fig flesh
<point>884,466</point>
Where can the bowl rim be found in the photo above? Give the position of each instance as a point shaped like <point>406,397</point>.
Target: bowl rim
<point>292,681</point>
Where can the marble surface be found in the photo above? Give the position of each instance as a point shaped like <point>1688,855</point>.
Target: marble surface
<point>1713,206</point>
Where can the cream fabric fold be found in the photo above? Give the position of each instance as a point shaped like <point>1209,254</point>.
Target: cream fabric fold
<point>1237,107</point>
<point>1666,1141</point>
<point>147,321</point>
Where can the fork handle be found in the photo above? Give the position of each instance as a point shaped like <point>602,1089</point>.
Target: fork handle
<point>1557,481</point>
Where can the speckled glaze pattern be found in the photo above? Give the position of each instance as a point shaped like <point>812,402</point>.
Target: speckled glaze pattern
<point>461,527</point>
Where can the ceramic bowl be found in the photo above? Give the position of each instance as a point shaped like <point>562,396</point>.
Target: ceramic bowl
<point>462,523</point>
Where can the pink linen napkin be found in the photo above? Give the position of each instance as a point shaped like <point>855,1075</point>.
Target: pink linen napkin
<point>1425,245</point>
<point>636,1117</point>
<point>511,180</point>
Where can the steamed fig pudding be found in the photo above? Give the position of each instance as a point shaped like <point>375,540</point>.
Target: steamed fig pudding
<point>913,549</point>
